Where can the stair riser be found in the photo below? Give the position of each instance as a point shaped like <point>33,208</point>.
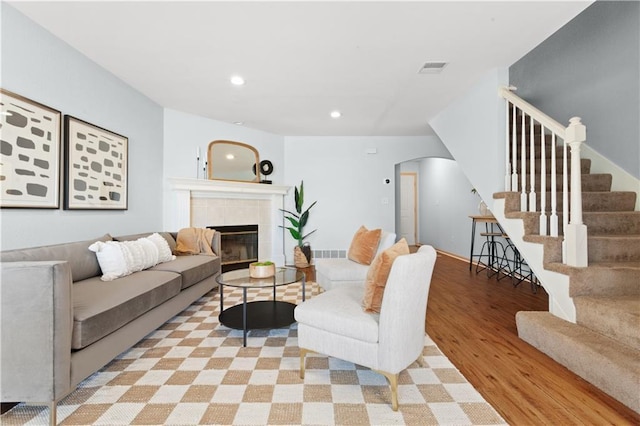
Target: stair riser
<point>614,249</point>
<point>622,223</point>
<point>591,202</point>
<point>603,318</point>
<point>590,183</point>
<point>604,282</point>
<point>537,149</point>
<point>585,166</point>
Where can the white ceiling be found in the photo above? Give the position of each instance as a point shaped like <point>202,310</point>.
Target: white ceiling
<point>303,59</point>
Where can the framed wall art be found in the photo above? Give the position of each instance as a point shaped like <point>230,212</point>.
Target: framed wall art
<point>29,153</point>
<point>95,167</point>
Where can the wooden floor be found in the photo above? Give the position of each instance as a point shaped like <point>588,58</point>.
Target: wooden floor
<point>472,320</point>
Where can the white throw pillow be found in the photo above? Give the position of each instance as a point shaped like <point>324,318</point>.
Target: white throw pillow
<point>164,251</point>
<point>111,259</point>
<point>120,258</point>
<point>149,252</point>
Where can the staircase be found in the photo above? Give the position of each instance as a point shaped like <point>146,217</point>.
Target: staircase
<point>603,345</point>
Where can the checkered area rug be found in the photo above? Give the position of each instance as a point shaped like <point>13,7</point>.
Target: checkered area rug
<point>195,371</point>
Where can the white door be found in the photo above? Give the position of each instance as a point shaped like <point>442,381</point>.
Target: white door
<point>408,204</point>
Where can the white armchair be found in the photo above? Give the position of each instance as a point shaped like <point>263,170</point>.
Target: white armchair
<point>333,273</point>
<point>335,324</point>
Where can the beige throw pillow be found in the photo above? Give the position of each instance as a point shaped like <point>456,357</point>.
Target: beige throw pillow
<point>364,245</point>
<point>379,273</point>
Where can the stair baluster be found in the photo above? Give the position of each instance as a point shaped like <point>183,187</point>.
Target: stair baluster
<point>532,160</point>
<point>543,182</point>
<point>523,165</point>
<point>514,152</point>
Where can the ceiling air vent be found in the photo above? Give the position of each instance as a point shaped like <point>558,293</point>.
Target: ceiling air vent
<point>432,68</point>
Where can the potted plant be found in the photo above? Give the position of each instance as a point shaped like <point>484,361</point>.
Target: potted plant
<point>262,269</point>
<point>298,220</point>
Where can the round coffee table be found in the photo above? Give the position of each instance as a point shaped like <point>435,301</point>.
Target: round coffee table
<point>259,314</point>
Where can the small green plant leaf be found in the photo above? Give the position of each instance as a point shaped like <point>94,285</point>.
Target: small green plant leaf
<point>293,221</point>
<point>294,233</point>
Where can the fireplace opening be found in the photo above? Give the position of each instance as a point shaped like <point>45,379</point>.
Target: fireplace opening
<point>238,246</point>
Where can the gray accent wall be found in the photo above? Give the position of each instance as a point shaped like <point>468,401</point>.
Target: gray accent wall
<point>591,68</point>
<point>39,66</point>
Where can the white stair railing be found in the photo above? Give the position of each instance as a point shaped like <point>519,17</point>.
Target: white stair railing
<point>543,128</point>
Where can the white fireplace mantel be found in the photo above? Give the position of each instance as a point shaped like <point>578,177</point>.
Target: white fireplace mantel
<point>247,189</point>
<point>182,192</point>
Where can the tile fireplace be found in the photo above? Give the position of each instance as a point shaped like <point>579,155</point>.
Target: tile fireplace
<point>209,203</point>
<point>238,246</point>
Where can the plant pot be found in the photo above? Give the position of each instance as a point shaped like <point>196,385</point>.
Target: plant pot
<point>300,258</point>
<point>261,271</point>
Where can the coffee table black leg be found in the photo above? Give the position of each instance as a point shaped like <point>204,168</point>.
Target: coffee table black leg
<point>244,316</point>
<point>220,291</point>
<point>304,279</point>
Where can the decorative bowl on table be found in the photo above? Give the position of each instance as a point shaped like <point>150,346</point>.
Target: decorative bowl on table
<point>262,269</point>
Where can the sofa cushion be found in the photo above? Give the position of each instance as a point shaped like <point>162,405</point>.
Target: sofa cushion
<point>340,312</point>
<point>364,245</point>
<point>83,262</point>
<point>341,269</point>
<point>100,308</point>
<point>192,268</point>
<point>379,273</point>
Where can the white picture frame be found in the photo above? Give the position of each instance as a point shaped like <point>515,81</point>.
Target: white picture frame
<point>30,138</point>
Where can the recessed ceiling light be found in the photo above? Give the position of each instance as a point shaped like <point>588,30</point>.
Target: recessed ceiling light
<point>335,114</point>
<point>238,123</point>
<point>236,80</point>
<point>230,157</point>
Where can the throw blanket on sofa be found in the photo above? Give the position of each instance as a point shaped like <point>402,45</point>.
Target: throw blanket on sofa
<point>194,241</point>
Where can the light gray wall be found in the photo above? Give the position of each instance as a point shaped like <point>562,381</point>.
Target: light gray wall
<point>41,67</point>
<point>445,203</point>
<point>184,133</point>
<point>591,68</point>
<point>472,128</point>
<point>348,183</point>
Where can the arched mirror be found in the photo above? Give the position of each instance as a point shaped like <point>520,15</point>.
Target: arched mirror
<point>230,160</point>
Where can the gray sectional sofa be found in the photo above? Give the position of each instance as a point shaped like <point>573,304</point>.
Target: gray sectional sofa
<point>60,323</point>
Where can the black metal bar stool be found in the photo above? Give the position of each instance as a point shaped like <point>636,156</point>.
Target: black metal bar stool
<point>494,253</point>
<point>520,270</point>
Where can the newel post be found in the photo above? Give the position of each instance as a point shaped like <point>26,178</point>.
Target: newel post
<point>576,232</point>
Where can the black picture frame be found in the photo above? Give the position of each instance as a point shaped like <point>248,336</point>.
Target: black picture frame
<point>96,167</point>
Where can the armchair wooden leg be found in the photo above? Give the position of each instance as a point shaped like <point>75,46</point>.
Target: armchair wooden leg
<point>303,353</point>
<point>393,383</point>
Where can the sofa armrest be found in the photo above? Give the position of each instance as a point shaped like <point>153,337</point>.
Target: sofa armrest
<point>36,319</point>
